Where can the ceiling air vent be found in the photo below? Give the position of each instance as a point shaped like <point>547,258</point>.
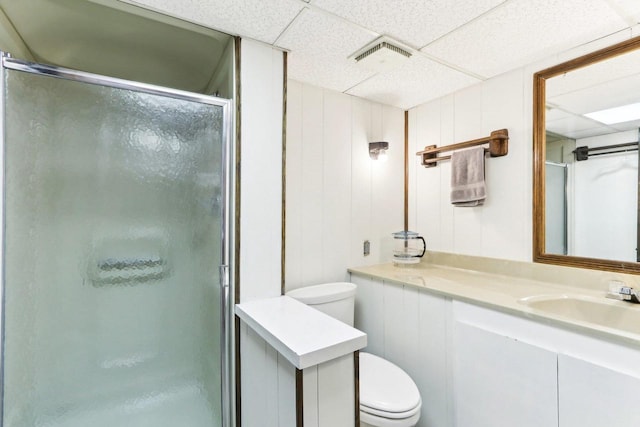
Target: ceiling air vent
<point>382,55</point>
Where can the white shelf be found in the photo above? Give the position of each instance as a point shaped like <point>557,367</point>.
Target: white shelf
<point>304,335</point>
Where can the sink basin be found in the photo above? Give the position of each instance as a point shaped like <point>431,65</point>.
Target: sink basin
<point>600,311</point>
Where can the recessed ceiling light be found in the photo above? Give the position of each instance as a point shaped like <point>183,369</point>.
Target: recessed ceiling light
<point>610,116</point>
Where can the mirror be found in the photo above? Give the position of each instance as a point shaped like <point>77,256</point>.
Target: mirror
<point>586,133</point>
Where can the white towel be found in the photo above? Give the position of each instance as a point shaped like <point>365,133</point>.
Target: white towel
<point>467,177</point>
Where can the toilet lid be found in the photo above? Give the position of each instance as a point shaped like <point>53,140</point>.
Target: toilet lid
<point>385,387</point>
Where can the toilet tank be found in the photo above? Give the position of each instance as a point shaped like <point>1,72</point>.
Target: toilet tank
<point>335,299</point>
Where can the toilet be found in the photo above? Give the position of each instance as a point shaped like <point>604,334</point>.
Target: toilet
<point>388,396</point>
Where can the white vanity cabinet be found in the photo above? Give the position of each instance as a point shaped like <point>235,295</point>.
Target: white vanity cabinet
<point>500,381</point>
<point>477,366</point>
<point>594,396</point>
<point>513,371</point>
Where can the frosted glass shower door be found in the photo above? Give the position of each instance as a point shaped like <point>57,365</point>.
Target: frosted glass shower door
<point>114,201</point>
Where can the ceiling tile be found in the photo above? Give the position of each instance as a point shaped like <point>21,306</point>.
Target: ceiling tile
<point>552,114</point>
<point>256,19</point>
<point>629,9</point>
<point>320,46</point>
<point>571,125</point>
<point>420,81</point>
<point>612,69</point>
<point>607,84</point>
<point>523,31</point>
<point>587,133</point>
<point>631,125</point>
<point>414,22</point>
<point>610,94</point>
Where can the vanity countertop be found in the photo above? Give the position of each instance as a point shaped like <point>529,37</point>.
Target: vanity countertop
<point>584,310</point>
<point>303,335</point>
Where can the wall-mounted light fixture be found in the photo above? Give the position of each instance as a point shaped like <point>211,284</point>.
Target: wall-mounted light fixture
<point>378,150</point>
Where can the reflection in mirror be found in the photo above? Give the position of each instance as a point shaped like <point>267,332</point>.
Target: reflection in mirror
<point>587,120</point>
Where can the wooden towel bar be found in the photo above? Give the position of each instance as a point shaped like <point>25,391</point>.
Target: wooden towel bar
<point>498,146</point>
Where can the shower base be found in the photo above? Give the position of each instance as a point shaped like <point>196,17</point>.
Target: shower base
<point>185,406</point>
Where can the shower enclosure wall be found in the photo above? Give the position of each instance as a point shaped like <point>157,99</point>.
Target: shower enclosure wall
<point>115,252</point>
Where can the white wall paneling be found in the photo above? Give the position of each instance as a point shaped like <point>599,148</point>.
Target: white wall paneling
<point>336,392</point>
<point>360,182</point>
<point>269,388</point>
<point>410,328</point>
<point>506,231</point>
<point>311,413</point>
<point>329,397</point>
<point>337,197</point>
<point>369,306</point>
<point>294,185</point>
<point>336,200</point>
<point>467,125</point>
<point>265,376</point>
<point>501,227</point>
<point>268,384</point>
<point>310,241</point>
<point>261,170</point>
<point>286,393</point>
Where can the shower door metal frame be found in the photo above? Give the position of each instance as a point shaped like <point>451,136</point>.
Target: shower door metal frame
<point>226,283</point>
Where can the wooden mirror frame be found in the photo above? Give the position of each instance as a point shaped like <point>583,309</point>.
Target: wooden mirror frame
<point>539,156</point>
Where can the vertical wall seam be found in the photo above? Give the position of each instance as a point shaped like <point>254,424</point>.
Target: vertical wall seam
<point>356,373</point>
<point>322,186</point>
<point>300,163</point>
<point>3,225</point>
<point>236,338</point>
<point>284,176</point>
<point>406,170</point>
<point>299,398</point>
<point>371,182</point>
<point>352,244</point>
<point>558,390</point>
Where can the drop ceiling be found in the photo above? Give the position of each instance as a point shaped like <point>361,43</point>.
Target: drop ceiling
<point>456,43</point>
<point>607,84</point>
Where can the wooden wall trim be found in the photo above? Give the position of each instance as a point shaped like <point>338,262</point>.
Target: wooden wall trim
<point>238,66</point>
<point>236,258</point>
<point>299,399</point>
<point>284,172</point>
<point>356,370</point>
<point>406,170</point>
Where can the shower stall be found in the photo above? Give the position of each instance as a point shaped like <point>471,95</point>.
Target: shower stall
<point>115,252</point>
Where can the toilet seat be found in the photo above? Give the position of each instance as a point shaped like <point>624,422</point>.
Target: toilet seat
<point>371,420</point>
<point>388,396</point>
<point>390,415</point>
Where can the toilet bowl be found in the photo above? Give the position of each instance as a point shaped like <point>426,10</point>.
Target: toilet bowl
<point>388,396</point>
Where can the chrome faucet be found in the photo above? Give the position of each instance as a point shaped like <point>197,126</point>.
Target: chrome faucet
<point>618,290</point>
